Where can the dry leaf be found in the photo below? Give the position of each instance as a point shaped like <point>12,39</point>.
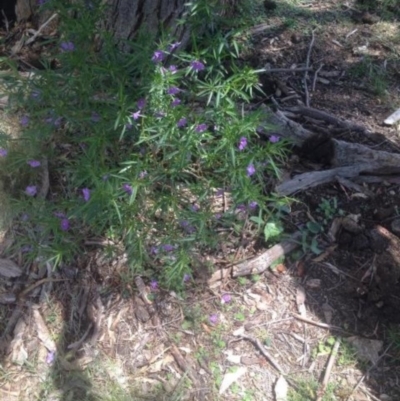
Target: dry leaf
<point>262,306</point>
<point>9,269</point>
<point>231,378</point>
<point>281,389</point>
<point>232,358</point>
<point>328,312</point>
<point>300,299</point>
<point>19,355</point>
<point>43,332</point>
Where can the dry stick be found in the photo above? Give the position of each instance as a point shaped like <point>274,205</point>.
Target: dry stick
<point>315,77</point>
<point>318,324</point>
<point>328,370</point>
<point>308,66</point>
<point>262,349</point>
<point>368,371</point>
<point>37,33</point>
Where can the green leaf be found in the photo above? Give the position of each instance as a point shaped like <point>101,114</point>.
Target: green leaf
<point>314,227</point>
<point>272,229</point>
<point>258,220</point>
<point>314,247</point>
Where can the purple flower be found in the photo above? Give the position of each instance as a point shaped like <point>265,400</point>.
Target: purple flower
<point>142,174</point>
<point>250,170</point>
<point>195,208</point>
<point>197,65</point>
<point>60,215</point>
<point>274,138</point>
<point>34,163</point>
<point>182,122</point>
<point>51,354</point>
<point>153,284</point>
<point>172,69</point>
<point>86,194</point>
<point>220,192</point>
<point>201,128</point>
<point>154,250</point>
<point>24,121</point>
<point>35,94</point>
<point>136,115</point>
<point>64,224</point>
<point>27,248</point>
<point>173,90</point>
<point>127,188</point>
<point>31,190</point>
<point>25,217</point>
<point>187,227</point>
<point>158,56</point>
<point>128,126</point>
<point>241,207</point>
<point>226,298</point>
<point>95,117</point>
<point>253,205</point>
<point>168,247</point>
<point>217,216</point>
<point>174,46</point>
<point>242,143</point>
<point>213,318</point>
<point>175,102</point>
<point>141,103</point>
<point>67,46</point>
<point>186,277</point>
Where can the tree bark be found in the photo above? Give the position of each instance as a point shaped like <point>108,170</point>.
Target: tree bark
<point>125,18</point>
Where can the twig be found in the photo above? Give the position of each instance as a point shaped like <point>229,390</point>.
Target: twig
<point>315,77</point>
<point>37,33</point>
<point>262,349</point>
<point>40,282</point>
<point>318,324</point>
<point>308,66</point>
<point>328,370</point>
<point>5,20</point>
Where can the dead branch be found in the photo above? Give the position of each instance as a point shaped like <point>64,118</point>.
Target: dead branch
<point>327,117</point>
<point>262,349</point>
<point>309,180</point>
<point>261,263</point>
<point>307,66</point>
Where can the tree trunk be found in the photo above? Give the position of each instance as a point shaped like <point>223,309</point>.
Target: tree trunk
<point>126,17</point>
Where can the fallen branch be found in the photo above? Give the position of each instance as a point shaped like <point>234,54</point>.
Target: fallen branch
<point>309,180</point>
<point>261,263</point>
<point>328,118</point>
<point>262,349</point>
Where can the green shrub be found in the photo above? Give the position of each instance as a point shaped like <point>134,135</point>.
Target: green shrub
<point>140,147</point>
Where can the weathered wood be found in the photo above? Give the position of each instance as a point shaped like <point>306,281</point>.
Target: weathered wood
<point>261,263</point>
